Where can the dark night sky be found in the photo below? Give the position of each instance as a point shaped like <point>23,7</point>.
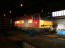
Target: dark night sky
<point>14,5</point>
<point>32,6</point>
<point>37,5</point>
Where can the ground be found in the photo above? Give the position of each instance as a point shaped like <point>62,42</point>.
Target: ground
<point>40,40</point>
<point>15,38</point>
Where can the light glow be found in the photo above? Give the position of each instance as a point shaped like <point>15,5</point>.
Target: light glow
<point>21,5</point>
<point>10,12</point>
<point>4,14</point>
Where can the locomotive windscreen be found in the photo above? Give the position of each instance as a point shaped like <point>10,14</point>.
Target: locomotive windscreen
<point>36,17</point>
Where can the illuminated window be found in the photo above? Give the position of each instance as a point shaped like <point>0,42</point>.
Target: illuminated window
<point>55,13</point>
<point>30,21</point>
<point>58,13</point>
<point>22,21</point>
<point>16,22</point>
<point>64,12</point>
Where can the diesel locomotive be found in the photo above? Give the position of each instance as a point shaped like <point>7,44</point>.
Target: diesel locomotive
<point>34,23</point>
